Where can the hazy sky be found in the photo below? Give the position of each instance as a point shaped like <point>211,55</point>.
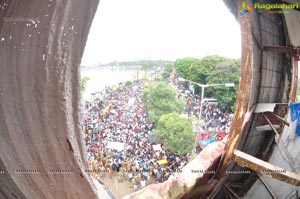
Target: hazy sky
<point>161,29</point>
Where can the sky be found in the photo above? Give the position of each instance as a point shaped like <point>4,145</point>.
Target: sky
<point>161,29</point>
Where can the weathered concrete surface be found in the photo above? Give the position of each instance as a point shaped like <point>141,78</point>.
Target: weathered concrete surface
<point>180,184</point>
<point>41,45</point>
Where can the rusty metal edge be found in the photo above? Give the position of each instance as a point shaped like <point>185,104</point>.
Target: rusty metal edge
<point>240,115</point>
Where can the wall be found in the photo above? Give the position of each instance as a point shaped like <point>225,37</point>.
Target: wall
<point>41,45</point>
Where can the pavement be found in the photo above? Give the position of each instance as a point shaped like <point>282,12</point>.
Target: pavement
<point>118,189</point>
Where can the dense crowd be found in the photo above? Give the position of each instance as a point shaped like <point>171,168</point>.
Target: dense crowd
<point>120,119</point>
<point>119,139</point>
<point>215,119</point>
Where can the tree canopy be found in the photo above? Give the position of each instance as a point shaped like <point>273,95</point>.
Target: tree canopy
<point>200,70</point>
<point>227,71</point>
<point>167,70</point>
<point>176,132</point>
<point>160,99</point>
<point>151,63</point>
<point>83,83</point>
<point>183,66</point>
<point>212,69</point>
<point>145,66</point>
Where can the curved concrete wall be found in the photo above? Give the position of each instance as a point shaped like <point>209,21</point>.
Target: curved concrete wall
<point>41,45</point>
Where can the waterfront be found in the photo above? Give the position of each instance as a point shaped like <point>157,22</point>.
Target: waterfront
<point>101,77</point>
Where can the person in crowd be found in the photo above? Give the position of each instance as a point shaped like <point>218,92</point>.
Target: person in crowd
<point>120,117</point>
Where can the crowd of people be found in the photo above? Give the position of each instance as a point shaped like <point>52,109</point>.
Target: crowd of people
<point>119,140</point>
<point>215,119</point>
<point>117,134</point>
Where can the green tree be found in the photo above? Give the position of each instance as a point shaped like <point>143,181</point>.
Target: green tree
<point>212,69</point>
<point>227,71</point>
<point>83,83</point>
<point>145,66</point>
<point>183,66</point>
<point>176,132</point>
<point>160,99</point>
<point>200,71</point>
<point>167,70</point>
<point>128,83</point>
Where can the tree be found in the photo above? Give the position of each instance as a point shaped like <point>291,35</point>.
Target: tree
<point>176,132</point>
<point>160,99</point>
<point>200,71</point>
<point>167,70</point>
<point>227,71</point>
<point>212,69</point>
<point>183,66</point>
<point>145,66</point>
<point>83,83</point>
<point>128,83</point>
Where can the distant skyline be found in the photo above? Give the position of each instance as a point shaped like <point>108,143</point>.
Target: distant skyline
<point>161,29</point>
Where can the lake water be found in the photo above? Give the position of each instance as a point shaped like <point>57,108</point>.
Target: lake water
<point>101,77</point>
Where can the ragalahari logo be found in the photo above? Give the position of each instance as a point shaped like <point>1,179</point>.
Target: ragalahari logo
<point>246,8</point>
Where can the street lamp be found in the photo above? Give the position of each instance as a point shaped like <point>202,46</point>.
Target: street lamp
<point>203,86</point>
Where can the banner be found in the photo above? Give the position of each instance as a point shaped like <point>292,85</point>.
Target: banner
<point>157,147</point>
<point>119,146</point>
<point>162,161</point>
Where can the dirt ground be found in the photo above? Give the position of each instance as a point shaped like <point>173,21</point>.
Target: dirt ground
<point>118,189</point>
